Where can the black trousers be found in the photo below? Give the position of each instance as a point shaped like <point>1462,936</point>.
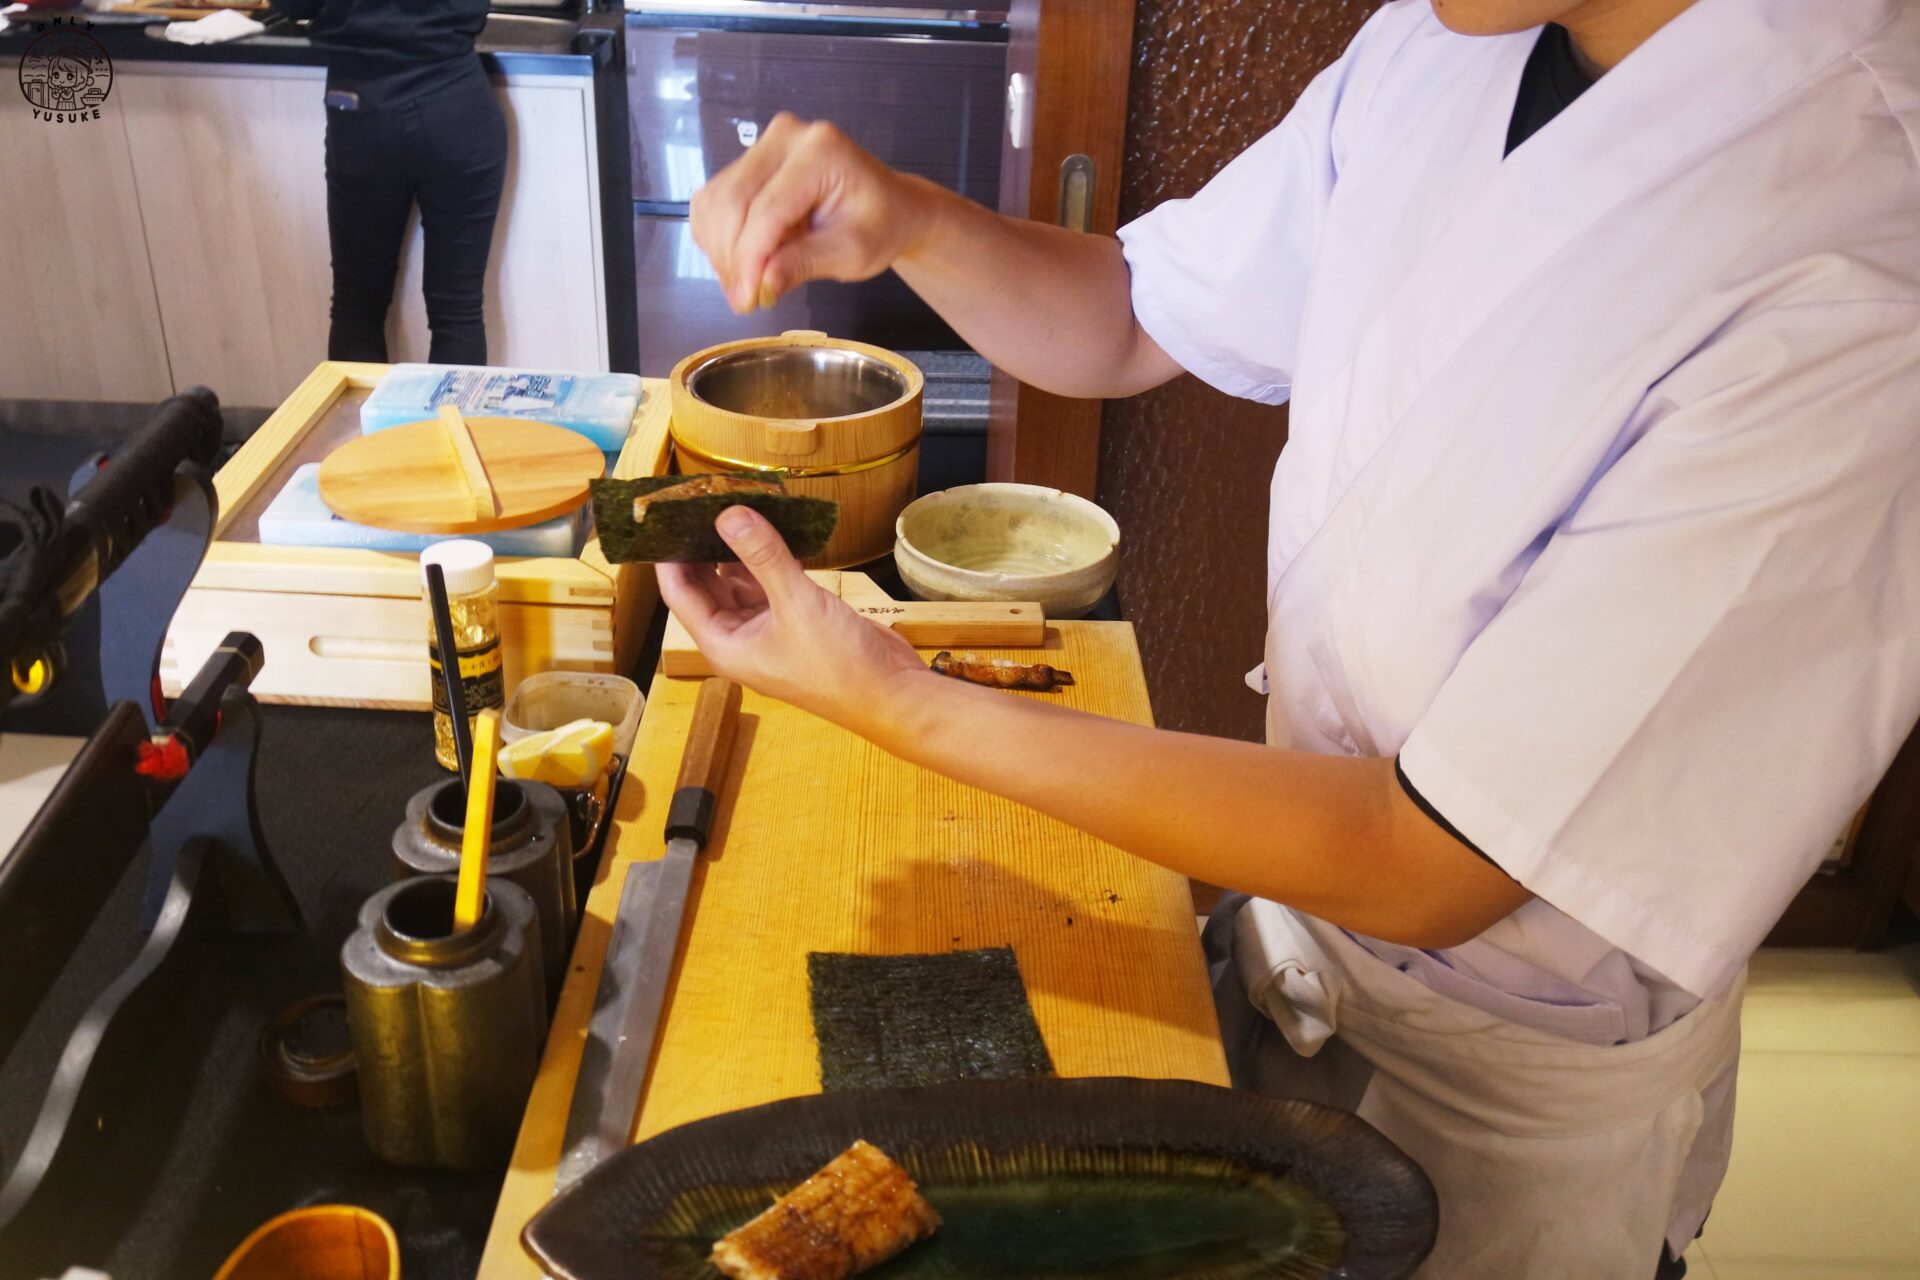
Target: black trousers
<point>445,151</point>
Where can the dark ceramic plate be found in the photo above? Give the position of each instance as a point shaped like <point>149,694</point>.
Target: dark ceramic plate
<point>1123,1179</point>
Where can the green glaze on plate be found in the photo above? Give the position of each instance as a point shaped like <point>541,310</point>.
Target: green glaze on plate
<point>1123,1179</point>
<point>1141,1216</point>
<point>682,530</point>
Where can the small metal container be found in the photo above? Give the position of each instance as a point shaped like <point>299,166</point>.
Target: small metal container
<point>447,1027</point>
<point>532,846</point>
<point>797,382</point>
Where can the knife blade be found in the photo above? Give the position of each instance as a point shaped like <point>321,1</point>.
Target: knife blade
<point>640,951</point>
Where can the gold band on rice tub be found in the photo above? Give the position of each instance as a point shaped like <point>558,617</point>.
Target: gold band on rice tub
<point>705,459</point>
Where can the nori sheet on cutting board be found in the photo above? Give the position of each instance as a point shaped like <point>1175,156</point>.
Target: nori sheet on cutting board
<point>681,531</point>
<point>904,1020</point>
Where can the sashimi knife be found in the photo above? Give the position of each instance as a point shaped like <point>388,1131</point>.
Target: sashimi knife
<point>640,950</point>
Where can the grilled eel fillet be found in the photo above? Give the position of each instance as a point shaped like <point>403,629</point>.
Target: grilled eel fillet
<point>854,1214</point>
<point>700,487</point>
<point>1001,673</point>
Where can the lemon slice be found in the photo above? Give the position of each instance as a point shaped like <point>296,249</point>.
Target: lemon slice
<point>571,756</point>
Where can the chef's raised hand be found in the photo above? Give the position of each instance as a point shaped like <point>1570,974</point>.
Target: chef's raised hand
<point>1050,306</point>
<point>804,203</point>
<point>766,624</point>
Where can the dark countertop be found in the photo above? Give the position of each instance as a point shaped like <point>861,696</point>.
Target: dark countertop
<point>510,44</point>
<point>202,1151</point>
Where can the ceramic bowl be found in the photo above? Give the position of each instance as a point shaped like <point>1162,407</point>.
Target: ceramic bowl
<point>1008,542</point>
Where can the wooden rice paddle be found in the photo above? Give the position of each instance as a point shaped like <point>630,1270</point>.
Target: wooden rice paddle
<point>925,624</point>
<point>470,892</point>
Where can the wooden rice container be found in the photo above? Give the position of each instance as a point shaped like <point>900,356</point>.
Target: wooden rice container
<point>867,461</point>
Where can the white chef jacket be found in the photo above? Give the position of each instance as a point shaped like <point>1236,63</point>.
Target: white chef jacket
<point>1598,505</point>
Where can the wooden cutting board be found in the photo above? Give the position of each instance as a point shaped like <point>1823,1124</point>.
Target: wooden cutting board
<point>425,478</point>
<point>824,842</point>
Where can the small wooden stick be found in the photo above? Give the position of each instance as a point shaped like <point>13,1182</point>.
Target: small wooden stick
<point>470,892</point>
<point>472,470</point>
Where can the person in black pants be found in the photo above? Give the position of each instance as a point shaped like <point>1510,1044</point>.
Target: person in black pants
<point>411,118</point>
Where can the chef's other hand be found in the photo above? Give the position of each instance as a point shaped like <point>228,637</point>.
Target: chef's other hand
<point>804,203</point>
<point>766,624</point>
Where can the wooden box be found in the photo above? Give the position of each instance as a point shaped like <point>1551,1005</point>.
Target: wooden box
<point>348,627</point>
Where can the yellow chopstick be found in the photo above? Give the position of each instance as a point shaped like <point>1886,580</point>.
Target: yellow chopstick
<point>471,889</point>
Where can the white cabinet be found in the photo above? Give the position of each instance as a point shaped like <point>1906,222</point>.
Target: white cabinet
<point>546,280</point>
<point>233,192</point>
<point>78,318</point>
<point>183,238</point>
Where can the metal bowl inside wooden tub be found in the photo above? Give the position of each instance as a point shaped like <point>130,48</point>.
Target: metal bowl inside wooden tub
<point>831,419</point>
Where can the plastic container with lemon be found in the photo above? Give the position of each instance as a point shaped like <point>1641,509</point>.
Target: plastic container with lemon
<point>574,730</point>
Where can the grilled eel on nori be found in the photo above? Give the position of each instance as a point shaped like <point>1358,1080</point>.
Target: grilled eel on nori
<point>670,518</point>
<point>1001,673</point>
<point>854,1214</point>
<point>701,487</point>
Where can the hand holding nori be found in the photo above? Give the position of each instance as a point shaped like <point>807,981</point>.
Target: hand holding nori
<point>679,530</point>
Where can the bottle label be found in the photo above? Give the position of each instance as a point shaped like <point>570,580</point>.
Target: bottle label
<point>480,677</point>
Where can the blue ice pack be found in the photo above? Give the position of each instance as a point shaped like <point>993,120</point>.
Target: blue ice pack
<point>298,517</point>
<point>598,405</point>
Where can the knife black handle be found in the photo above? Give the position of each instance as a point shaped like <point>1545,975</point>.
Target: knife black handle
<point>696,793</point>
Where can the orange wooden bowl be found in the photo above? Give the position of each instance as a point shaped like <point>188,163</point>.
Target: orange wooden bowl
<point>323,1242</point>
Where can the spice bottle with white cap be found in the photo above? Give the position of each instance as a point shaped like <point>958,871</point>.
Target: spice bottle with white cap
<point>473,598</point>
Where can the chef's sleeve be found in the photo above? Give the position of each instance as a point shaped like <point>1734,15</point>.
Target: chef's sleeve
<point>1717,653</point>
<point>1219,279</point>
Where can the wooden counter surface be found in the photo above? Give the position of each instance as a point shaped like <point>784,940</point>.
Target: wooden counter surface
<point>826,843</point>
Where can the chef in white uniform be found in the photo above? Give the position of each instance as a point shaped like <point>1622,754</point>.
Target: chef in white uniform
<point>1593,566</point>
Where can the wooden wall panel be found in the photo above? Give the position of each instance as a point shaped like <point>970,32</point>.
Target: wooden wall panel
<point>1072,57</point>
<point>1185,469</point>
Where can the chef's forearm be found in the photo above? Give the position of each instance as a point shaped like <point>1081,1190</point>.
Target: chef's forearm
<point>1052,307</point>
<point>1334,836</point>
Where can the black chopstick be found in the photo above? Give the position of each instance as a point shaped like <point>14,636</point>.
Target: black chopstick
<point>450,671</point>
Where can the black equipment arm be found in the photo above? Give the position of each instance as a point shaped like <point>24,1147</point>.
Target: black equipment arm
<point>90,829</point>
<point>71,551</point>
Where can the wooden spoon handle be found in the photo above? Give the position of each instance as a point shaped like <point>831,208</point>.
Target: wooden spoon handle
<point>696,795</point>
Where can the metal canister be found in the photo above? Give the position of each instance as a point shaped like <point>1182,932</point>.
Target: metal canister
<point>447,1027</point>
<point>532,846</point>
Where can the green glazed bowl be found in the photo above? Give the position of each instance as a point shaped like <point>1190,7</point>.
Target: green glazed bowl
<point>1008,542</point>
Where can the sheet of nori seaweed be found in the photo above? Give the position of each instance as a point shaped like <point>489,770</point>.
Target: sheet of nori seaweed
<point>903,1020</point>
<point>682,531</point>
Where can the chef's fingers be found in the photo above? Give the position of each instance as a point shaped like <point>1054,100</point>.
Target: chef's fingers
<point>690,599</point>
<point>814,255</point>
<point>738,588</point>
<point>782,209</point>
<point>764,553</point>
<point>718,209</point>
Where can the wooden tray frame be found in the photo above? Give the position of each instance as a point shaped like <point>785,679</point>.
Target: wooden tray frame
<point>579,613</point>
